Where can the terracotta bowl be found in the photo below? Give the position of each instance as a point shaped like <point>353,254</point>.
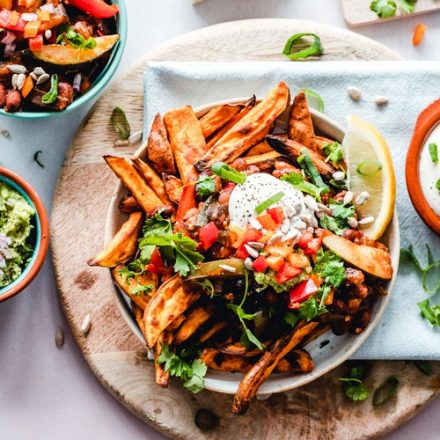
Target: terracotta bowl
<point>327,357</point>
<point>426,122</point>
<point>40,234</point>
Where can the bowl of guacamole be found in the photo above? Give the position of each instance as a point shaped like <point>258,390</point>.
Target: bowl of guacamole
<point>24,234</point>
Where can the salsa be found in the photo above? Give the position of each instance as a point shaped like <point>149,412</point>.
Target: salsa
<point>16,225</point>
<point>51,51</point>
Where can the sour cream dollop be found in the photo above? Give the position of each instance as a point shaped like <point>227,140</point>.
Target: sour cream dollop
<point>299,210</point>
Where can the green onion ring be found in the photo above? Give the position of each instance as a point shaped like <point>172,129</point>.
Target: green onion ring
<point>425,286</point>
<point>269,202</point>
<point>315,48</point>
<point>369,168</point>
<point>313,97</point>
<point>228,173</point>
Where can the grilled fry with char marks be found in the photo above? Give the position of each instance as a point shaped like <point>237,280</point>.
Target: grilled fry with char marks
<point>193,322</point>
<point>215,359</point>
<point>217,117</point>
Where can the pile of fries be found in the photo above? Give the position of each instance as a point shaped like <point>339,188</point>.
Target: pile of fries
<point>189,306</point>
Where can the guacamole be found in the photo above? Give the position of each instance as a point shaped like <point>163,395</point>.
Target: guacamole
<point>15,230</point>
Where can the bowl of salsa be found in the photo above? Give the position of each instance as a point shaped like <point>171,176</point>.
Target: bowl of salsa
<point>24,234</point>
<point>56,55</point>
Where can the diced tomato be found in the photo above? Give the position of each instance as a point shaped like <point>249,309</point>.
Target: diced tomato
<point>11,20</point>
<point>277,214</point>
<point>225,193</point>
<point>275,262</point>
<point>267,222</point>
<point>313,246</point>
<point>305,239</point>
<point>36,43</point>
<point>96,8</point>
<point>301,292</point>
<point>208,235</point>
<point>252,234</point>
<point>260,264</point>
<point>286,273</point>
<point>242,253</point>
<point>156,264</point>
<point>187,202</point>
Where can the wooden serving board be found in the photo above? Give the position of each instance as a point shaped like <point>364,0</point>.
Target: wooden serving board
<point>358,13</point>
<point>117,358</point>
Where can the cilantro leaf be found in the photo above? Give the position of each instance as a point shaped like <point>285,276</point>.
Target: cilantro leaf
<point>205,186</point>
<point>142,290</point>
<point>331,224</point>
<point>353,386</point>
<point>76,39</point>
<point>298,182</point>
<point>311,309</point>
<point>384,8</point>
<point>337,223</point>
<point>429,312</point>
<point>196,383</point>
<point>329,267</point>
<point>207,286</point>
<point>334,153</point>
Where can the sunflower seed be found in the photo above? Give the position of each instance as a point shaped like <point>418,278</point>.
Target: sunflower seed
<point>248,264</point>
<point>38,71</point>
<point>5,133</point>
<point>348,198</point>
<point>251,251</point>
<point>48,34</point>
<point>135,137</point>
<point>14,81</point>
<point>311,203</point>
<point>256,244</point>
<point>59,337</point>
<point>20,80</point>
<point>298,224</point>
<point>285,226</point>
<point>381,100</point>
<point>352,222</point>
<point>366,221</point>
<point>362,198</point>
<point>17,68</point>
<point>290,211</point>
<point>354,93</point>
<point>42,78</point>
<point>255,224</point>
<point>227,268</point>
<point>33,76</point>
<point>275,238</point>
<point>86,324</point>
<point>339,176</point>
<point>293,233</point>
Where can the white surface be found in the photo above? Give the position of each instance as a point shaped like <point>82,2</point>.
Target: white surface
<point>46,393</point>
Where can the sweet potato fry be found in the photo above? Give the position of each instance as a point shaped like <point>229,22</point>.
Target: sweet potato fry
<point>217,327</point>
<point>249,130</point>
<point>255,377</point>
<point>173,187</point>
<point>152,179</point>
<point>122,246</point>
<point>162,376</point>
<point>238,349</point>
<point>159,150</point>
<point>247,106</point>
<point>128,205</point>
<point>297,361</point>
<point>187,141</point>
<point>300,124</point>
<point>193,322</point>
<point>176,323</point>
<point>217,117</point>
<point>144,195</point>
<point>266,159</point>
<point>293,150</point>
<point>261,148</point>
<point>139,317</point>
<point>372,260</point>
<point>215,359</point>
<point>140,288</point>
<point>170,301</point>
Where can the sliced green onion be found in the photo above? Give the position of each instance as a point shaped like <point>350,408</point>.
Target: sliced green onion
<point>368,168</point>
<point>433,152</point>
<point>298,182</point>
<point>51,96</point>
<point>429,282</point>
<point>385,391</point>
<point>228,173</point>
<point>314,100</point>
<point>269,202</point>
<point>294,52</point>
<point>307,164</point>
<point>423,366</point>
<point>120,123</point>
<point>437,184</point>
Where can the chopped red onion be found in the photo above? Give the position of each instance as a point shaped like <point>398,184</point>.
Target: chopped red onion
<point>9,49</point>
<point>8,37</point>
<point>77,82</point>
<point>29,16</point>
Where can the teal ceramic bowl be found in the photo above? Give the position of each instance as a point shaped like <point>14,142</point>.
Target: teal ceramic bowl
<point>39,237</point>
<point>100,82</point>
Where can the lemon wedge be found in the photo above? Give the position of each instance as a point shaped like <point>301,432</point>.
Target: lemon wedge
<point>371,172</point>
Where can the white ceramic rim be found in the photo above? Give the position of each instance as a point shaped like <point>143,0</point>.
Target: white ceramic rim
<point>276,383</point>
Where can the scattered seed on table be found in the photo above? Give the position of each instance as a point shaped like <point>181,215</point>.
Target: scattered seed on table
<point>85,326</point>
<point>354,93</point>
<point>59,337</point>
<point>135,137</point>
<point>381,100</point>
<point>121,143</point>
<point>5,133</point>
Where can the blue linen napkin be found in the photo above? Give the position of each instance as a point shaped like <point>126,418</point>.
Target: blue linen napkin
<point>409,86</point>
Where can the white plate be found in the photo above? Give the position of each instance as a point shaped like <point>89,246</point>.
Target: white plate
<point>338,350</point>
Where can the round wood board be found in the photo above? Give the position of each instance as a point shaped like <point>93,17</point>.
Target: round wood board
<point>316,411</point>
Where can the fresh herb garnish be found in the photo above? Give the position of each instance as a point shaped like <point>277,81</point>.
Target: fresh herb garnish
<point>142,289</point>
<point>433,151</point>
<point>334,153</point>
<point>207,286</point>
<point>384,8</point>
<point>37,158</point>
<point>120,123</point>
<point>228,173</point>
<point>205,186</point>
<point>298,182</point>
<point>386,391</point>
<point>368,168</point>
<point>340,214</point>
<point>331,224</point>
<point>330,268</point>
<point>314,100</point>
<point>408,6</point>
<point>76,39</point>
<point>192,374</point>
<point>429,312</point>
<point>305,161</point>
<point>247,337</point>
<point>51,96</point>
<point>290,319</point>
<point>296,51</point>
<point>311,309</point>
<point>353,386</point>
<point>269,202</point>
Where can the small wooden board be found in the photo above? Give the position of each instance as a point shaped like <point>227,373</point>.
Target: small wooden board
<point>115,355</point>
<point>358,12</point>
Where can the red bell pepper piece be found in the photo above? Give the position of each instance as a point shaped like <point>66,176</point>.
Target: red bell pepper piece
<point>260,264</point>
<point>313,246</point>
<point>156,264</point>
<point>208,235</point>
<point>305,239</point>
<point>242,253</point>
<point>96,8</point>
<point>301,292</point>
<point>286,273</point>
<point>251,234</point>
<point>187,202</point>
<point>36,43</point>
<point>277,214</point>
<point>267,222</point>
